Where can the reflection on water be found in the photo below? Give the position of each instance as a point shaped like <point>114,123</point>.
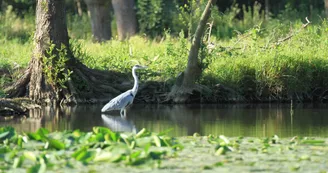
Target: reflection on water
<point>230,120</point>
<point>118,123</point>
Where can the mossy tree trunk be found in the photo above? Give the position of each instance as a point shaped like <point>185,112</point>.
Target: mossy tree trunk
<point>185,83</point>
<point>100,19</point>
<point>48,78</point>
<point>126,19</point>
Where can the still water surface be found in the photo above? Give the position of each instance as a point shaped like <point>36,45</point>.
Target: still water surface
<point>260,120</point>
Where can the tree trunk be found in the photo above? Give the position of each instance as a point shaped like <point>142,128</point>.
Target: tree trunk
<point>267,8</point>
<point>50,29</point>
<point>125,18</point>
<point>185,83</point>
<point>326,7</point>
<point>79,8</point>
<point>48,78</point>
<point>100,19</point>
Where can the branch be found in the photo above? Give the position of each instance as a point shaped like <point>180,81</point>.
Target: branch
<point>291,35</point>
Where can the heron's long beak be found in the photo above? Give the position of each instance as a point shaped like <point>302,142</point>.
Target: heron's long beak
<point>144,66</point>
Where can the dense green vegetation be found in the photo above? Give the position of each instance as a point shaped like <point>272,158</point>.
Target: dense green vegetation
<point>103,149</point>
<point>252,65</point>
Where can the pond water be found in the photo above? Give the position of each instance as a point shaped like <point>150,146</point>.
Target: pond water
<point>257,120</point>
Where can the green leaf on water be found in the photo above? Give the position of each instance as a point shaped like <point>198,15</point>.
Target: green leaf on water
<point>225,139</point>
<point>103,156</point>
<point>220,151</point>
<point>42,132</point>
<point>39,168</point>
<point>157,141</point>
<point>165,132</point>
<point>135,154</point>
<point>114,136</point>
<point>18,162</point>
<point>166,142</point>
<point>4,135</point>
<point>78,152</point>
<point>7,133</point>
<point>30,155</point>
<point>4,149</point>
<point>313,142</point>
<point>275,139</point>
<point>99,137</point>
<point>56,144</point>
<point>133,145</point>
<point>20,141</point>
<point>84,155</point>
<point>141,133</point>
<point>34,136</point>
<point>295,168</point>
<point>33,169</point>
<point>76,134</point>
<point>157,154</point>
<point>102,130</point>
<point>218,164</point>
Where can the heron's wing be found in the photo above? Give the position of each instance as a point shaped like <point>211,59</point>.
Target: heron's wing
<point>119,102</point>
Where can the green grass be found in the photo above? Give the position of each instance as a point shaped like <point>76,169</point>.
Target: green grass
<point>294,68</point>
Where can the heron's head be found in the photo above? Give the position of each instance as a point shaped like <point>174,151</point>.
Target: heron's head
<point>139,67</point>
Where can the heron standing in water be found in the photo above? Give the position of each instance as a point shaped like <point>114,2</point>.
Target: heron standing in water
<point>122,101</point>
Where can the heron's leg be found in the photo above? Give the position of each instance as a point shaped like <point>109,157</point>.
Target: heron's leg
<point>122,112</point>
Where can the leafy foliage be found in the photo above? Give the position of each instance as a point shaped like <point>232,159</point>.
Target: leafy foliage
<point>54,66</point>
<point>155,16</point>
<point>41,150</point>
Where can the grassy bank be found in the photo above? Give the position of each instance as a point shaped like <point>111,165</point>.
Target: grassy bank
<point>252,66</point>
<point>101,150</point>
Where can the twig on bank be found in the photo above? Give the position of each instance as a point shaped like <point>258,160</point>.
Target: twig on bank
<point>291,35</point>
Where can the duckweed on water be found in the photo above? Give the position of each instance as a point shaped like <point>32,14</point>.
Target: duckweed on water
<point>102,150</point>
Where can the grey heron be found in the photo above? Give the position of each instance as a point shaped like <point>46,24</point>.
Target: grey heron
<point>122,101</point>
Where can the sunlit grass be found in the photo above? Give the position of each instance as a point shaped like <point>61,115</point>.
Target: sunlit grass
<point>14,54</point>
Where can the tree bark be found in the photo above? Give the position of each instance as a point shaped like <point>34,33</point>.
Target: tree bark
<point>125,18</point>
<point>100,19</point>
<point>185,83</point>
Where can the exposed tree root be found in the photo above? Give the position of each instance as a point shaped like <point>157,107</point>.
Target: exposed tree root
<point>195,93</point>
<point>152,92</point>
<point>18,89</point>
<point>85,86</point>
<point>16,106</point>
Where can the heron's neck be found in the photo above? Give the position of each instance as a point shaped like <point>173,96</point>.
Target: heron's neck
<point>135,87</point>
